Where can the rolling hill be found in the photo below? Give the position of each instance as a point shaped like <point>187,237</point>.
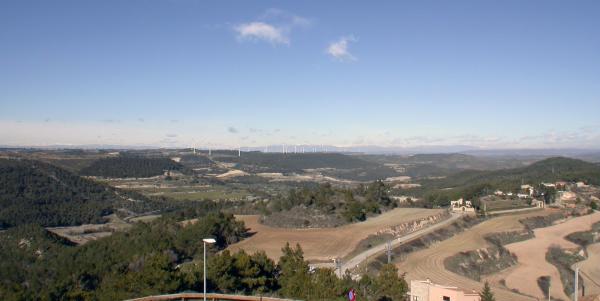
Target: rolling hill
<point>35,192</point>
<point>435,165</point>
<point>547,170</point>
<point>130,167</point>
<point>333,164</point>
<point>470,183</point>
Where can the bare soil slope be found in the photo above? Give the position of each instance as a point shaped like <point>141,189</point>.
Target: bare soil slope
<point>531,255</point>
<point>429,263</point>
<point>590,269</point>
<point>325,243</point>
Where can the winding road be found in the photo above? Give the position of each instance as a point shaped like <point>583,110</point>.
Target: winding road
<point>359,258</point>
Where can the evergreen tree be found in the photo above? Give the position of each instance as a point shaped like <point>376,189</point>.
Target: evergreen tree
<point>325,285</point>
<point>294,278</point>
<point>486,294</point>
<point>390,286</point>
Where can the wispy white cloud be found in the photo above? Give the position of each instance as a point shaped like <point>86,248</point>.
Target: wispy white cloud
<point>261,31</point>
<point>285,18</point>
<point>339,49</point>
<point>273,26</point>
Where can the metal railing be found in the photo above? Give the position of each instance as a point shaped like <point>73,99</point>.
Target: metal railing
<point>209,296</point>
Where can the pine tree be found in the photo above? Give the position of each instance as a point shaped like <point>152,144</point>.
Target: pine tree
<point>294,275</point>
<point>486,294</point>
<point>390,285</point>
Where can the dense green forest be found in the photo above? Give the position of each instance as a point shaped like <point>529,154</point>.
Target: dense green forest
<point>164,257</point>
<point>196,161</point>
<point>36,192</point>
<point>39,193</point>
<point>130,167</point>
<point>469,184</point>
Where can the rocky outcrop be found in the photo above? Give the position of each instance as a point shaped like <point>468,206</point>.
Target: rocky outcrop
<point>414,225</point>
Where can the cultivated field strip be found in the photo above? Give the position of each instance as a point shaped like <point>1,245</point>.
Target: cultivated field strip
<point>531,255</point>
<point>323,244</point>
<point>590,269</point>
<point>429,263</point>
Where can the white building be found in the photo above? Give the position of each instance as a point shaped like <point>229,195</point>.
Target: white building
<point>538,204</point>
<point>527,189</point>
<point>425,290</point>
<point>549,185</point>
<point>461,205</point>
<point>580,184</point>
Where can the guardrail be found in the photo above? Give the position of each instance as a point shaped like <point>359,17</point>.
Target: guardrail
<point>209,296</point>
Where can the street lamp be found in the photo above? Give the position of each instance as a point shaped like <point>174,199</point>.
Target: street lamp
<point>206,241</point>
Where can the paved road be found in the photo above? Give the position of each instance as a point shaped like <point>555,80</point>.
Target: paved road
<point>359,258</point>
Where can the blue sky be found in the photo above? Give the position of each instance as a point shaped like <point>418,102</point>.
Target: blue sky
<point>493,74</point>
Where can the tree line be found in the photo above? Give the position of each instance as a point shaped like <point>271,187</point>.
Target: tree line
<point>353,204</point>
<point>34,192</point>
<point>130,167</point>
<point>166,257</point>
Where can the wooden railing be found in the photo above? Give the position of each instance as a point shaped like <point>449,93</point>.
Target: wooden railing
<point>209,296</point>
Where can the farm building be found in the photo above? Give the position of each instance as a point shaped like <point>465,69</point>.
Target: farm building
<point>567,196</point>
<point>461,205</point>
<point>428,291</point>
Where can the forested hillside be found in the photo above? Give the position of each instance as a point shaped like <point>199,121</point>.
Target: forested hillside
<point>130,167</point>
<point>37,192</point>
<point>277,162</point>
<point>165,257</point>
<point>327,206</point>
<point>37,265</point>
<point>34,192</point>
<point>471,183</point>
<point>435,165</point>
<point>333,164</point>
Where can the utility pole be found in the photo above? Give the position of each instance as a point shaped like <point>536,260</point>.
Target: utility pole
<point>576,288</point>
<point>338,266</point>
<point>389,251</point>
<point>549,284</point>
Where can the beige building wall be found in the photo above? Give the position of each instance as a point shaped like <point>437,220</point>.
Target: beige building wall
<point>427,291</point>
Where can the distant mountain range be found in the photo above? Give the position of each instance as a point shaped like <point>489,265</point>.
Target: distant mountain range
<point>588,154</point>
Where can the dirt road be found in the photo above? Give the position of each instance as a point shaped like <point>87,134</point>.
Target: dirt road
<point>359,258</point>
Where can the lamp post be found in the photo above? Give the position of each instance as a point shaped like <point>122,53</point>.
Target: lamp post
<point>209,241</point>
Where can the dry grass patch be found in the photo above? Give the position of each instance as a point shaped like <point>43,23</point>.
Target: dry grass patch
<point>323,244</point>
